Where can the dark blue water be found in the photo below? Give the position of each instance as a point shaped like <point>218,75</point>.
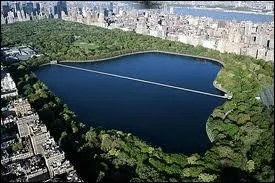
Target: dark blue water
<point>221,15</point>
<point>165,117</point>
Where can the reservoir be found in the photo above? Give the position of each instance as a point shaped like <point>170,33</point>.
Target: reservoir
<point>165,117</point>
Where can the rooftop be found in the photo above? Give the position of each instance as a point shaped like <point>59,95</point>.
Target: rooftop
<point>37,127</point>
<point>25,167</point>
<point>51,149</point>
<point>18,53</point>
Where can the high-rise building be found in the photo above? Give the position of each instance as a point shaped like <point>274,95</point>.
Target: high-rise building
<point>62,6</point>
<point>80,11</point>
<point>28,8</point>
<point>23,14</point>
<point>111,8</point>
<point>84,12</point>
<point>95,8</point>
<point>101,18</point>
<point>171,10</point>
<point>50,11</point>
<point>17,6</point>
<point>6,9</point>
<point>37,9</point>
<point>19,16</point>
<point>13,9</point>
<point>165,8</point>
<point>55,11</point>
<point>116,9</point>
<point>105,12</point>
<point>3,20</point>
<point>89,17</point>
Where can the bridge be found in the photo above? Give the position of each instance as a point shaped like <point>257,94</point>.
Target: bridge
<point>144,81</point>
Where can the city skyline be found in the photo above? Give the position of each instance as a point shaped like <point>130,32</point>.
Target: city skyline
<point>240,37</point>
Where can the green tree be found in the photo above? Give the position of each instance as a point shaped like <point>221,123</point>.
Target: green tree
<point>17,147</point>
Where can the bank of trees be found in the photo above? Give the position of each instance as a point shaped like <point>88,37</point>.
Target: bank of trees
<point>242,128</point>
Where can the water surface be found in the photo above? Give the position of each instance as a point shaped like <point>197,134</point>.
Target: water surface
<point>222,15</point>
<point>165,117</point>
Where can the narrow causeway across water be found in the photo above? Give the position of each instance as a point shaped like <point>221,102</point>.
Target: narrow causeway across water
<point>164,99</point>
<point>144,81</point>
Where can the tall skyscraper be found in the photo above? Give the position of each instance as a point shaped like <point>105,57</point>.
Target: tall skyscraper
<point>61,6</point>
<point>105,12</point>
<point>6,9</point>
<point>55,11</point>
<point>165,8</point>
<point>37,8</point>
<point>17,6</point>
<point>28,8</point>
<point>95,8</point>
<point>171,10</point>
<point>80,11</point>
<point>111,8</point>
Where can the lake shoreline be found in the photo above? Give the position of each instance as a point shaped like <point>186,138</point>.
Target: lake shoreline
<point>156,51</point>
<point>140,52</point>
<point>231,11</point>
<point>216,61</point>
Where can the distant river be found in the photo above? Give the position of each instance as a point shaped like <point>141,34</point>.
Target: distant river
<point>221,15</point>
<point>164,117</point>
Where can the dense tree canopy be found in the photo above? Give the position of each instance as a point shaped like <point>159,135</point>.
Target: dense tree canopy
<point>242,129</point>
